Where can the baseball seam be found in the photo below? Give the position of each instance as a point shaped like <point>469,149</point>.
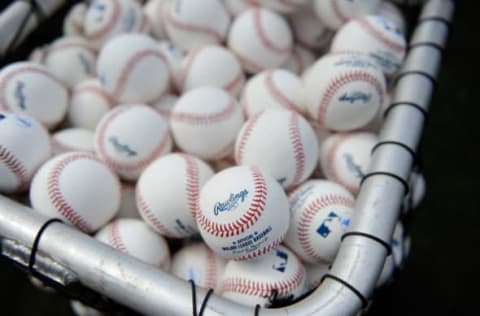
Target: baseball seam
<point>97,91</point>
<point>307,217</point>
<point>277,94</point>
<point>15,166</point>
<point>151,217</point>
<point>192,185</point>
<point>247,62</point>
<point>247,220</point>
<point>211,270</point>
<point>109,25</point>
<point>202,118</point>
<point>330,170</point>
<point>298,149</point>
<point>244,137</point>
<point>58,147</point>
<point>257,23</point>
<point>338,12</point>
<point>65,46</point>
<point>115,238</point>
<point>262,251</point>
<point>373,31</point>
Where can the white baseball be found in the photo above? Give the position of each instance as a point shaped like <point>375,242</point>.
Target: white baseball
<point>309,31</point>
<point>89,102</point>
<point>31,89</point>
<point>200,264</point>
<point>243,213</point>
<point>205,122</point>
<point>279,274</point>
<point>77,188</point>
<point>130,137</point>
<point>418,188</point>
<point>261,39</point>
<point>106,19</point>
<point>135,238</point>
<point>279,142</point>
<point>273,89</point>
<point>165,104</point>
<point>320,214</point>
<point>38,54</point>
<point>376,36</point>
<point>73,22</point>
<point>128,203</point>
<point>335,13</point>
<point>237,7</point>
<point>344,91</point>
<point>153,9</point>
<point>132,68</point>
<point>72,139</point>
<point>24,146</point>
<point>300,60</point>
<point>284,6</point>
<point>315,274</point>
<point>345,158</point>
<point>167,194</point>
<point>175,56</point>
<point>191,22</point>
<point>390,11</point>
<point>212,65</point>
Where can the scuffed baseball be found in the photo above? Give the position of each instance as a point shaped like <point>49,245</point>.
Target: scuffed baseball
<point>72,139</point>
<point>205,122</point>
<point>130,137</point>
<point>77,188</point>
<point>300,60</point>
<point>256,282</point>
<point>261,39</point>
<point>135,238</point>
<point>23,90</point>
<point>335,13</point>
<point>243,213</point>
<point>171,211</point>
<point>24,146</point>
<point>320,214</point>
<point>279,142</point>
<point>200,264</point>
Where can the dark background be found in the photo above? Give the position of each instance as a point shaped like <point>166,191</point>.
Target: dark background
<point>440,276</point>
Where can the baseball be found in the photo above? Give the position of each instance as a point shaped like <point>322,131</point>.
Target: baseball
<point>77,188</point>
<point>283,6</point>
<point>88,104</point>
<point>335,13</point>
<point>191,22</point>
<point>72,139</point>
<point>315,273</point>
<point>128,203</point>
<point>130,137</point>
<point>418,188</point>
<point>73,22</point>
<point>277,275</point>
<point>309,31</point>
<point>171,210</point>
<point>165,104</point>
<point>106,19</point>
<point>300,60</point>
<point>375,36</point>
<point>344,91</point>
<point>205,122</point>
<point>390,11</point>
<point>279,142</point>
<point>132,68</point>
<point>71,59</point>
<point>153,9</point>
<point>200,264</point>
<point>135,238</point>
<point>273,89</point>
<point>243,213</point>
<point>320,214</point>
<point>38,54</point>
<point>345,158</point>
<point>261,39</point>
<point>236,7</point>
<point>175,57</point>
<point>212,65</point>
<point>24,146</point>
<point>29,88</point>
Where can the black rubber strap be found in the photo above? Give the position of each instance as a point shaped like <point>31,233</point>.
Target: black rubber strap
<point>36,242</point>
<point>402,145</point>
<point>435,19</point>
<point>257,309</point>
<point>416,72</point>
<point>411,104</point>
<point>388,174</point>
<point>428,44</point>
<point>349,286</point>
<point>194,297</point>
<point>372,237</point>
<point>205,301</point>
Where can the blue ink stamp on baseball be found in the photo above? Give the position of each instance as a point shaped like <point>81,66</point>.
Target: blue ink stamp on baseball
<point>20,95</point>
<point>324,229</point>
<point>355,96</point>
<point>122,148</point>
<point>352,166</point>
<point>283,256</point>
<point>231,203</point>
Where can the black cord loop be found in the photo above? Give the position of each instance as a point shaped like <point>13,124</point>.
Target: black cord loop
<point>388,174</point>
<point>205,301</point>
<point>349,286</point>
<point>411,104</point>
<point>36,242</point>
<point>416,72</point>
<point>382,242</point>
<point>402,145</point>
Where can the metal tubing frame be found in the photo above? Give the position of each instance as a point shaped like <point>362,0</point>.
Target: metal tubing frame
<point>362,253</point>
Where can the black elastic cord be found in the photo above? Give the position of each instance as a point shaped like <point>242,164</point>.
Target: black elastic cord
<point>411,104</point>
<point>349,286</point>
<point>205,301</point>
<point>428,44</point>
<point>36,242</point>
<point>436,19</point>
<point>194,297</point>
<point>372,237</point>
<point>388,174</point>
<point>257,309</point>
<point>416,72</point>
<point>402,145</point>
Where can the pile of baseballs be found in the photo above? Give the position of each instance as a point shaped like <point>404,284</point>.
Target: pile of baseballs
<point>243,127</point>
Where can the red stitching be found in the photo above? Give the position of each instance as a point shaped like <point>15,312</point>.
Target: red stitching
<point>338,12</point>
<point>188,66</point>
<point>69,45</point>
<point>16,167</point>
<point>192,184</point>
<point>307,217</point>
<point>257,22</point>
<point>298,150</point>
<point>191,27</point>
<point>277,94</point>
<point>110,23</point>
<point>291,5</point>
<point>298,58</point>
<point>151,217</point>
<point>330,169</point>
<point>247,220</point>
<point>207,118</point>
<point>237,80</point>
<point>55,194</point>
<point>244,136</point>
<point>125,166</point>
<point>263,289</point>
<point>125,72</point>
<point>339,82</point>
<point>211,269</point>
<point>115,238</point>
<point>91,88</point>
<point>367,25</point>
<point>247,62</point>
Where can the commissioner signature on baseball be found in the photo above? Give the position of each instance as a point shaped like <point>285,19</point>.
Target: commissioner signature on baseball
<point>231,203</point>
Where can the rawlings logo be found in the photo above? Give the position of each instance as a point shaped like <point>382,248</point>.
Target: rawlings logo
<point>355,62</point>
<point>20,95</point>
<point>386,60</point>
<point>121,148</point>
<point>231,203</point>
<point>355,96</point>
<point>352,166</point>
